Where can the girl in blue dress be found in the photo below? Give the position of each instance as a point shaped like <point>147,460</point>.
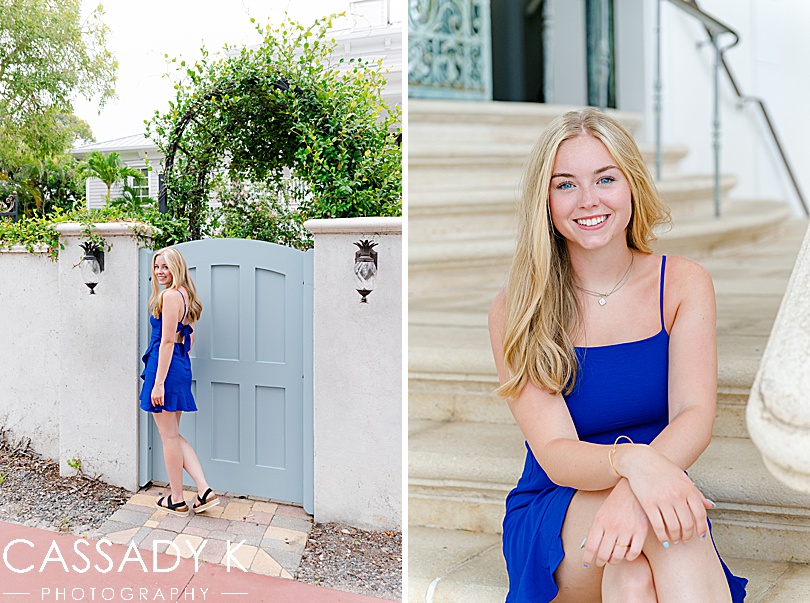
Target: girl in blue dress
<point>166,391</point>
<point>607,357</point>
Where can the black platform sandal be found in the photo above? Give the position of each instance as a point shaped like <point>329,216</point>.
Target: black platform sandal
<point>205,503</point>
<point>173,508</point>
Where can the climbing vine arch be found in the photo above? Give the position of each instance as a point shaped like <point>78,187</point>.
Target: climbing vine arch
<point>285,105</point>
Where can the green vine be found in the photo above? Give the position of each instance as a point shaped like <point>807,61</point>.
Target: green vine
<point>37,232</point>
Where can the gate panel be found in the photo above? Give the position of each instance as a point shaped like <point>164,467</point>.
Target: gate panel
<point>251,382</point>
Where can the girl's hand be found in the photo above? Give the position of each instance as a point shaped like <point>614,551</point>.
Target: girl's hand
<point>674,506</point>
<point>619,529</point>
<point>157,394</point>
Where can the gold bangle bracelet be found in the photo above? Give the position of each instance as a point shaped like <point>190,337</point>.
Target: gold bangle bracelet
<point>613,451</point>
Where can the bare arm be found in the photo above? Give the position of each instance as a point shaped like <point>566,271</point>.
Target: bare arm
<point>692,371</point>
<point>692,402</point>
<point>547,425</point>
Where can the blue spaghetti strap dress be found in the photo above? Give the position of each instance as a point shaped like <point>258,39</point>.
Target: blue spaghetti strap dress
<point>620,389</point>
<point>177,386</point>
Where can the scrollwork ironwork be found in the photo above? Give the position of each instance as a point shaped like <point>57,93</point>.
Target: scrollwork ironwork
<point>449,49</point>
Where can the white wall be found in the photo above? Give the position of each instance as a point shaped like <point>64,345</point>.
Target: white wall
<point>770,61</point>
<point>357,376</point>
<point>99,358</point>
<point>29,350</point>
<point>69,360</point>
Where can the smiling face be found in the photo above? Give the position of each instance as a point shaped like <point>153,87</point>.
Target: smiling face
<point>589,196</point>
<point>162,272</point>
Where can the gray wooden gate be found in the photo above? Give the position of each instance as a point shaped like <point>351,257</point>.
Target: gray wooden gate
<point>252,370</point>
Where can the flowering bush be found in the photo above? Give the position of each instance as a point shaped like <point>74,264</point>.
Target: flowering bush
<point>261,211</point>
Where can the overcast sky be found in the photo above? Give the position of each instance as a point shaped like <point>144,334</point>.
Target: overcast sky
<point>145,30</point>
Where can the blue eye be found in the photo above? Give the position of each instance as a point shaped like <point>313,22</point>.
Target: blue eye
<point>564,186</point>
<point>606,180</point>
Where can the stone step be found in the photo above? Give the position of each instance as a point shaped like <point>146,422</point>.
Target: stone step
<point>452,375</point>
<point>450,566</point>
<point>490,122</point>
<point>439,130</point>
<point>462,398</point>
<point>757,516</point>
<point>451,262</point>
<point>432,162</point>
<point>463,207</point>
<point>426,151</point>
<point>460,473</point>
<point>742,223</point>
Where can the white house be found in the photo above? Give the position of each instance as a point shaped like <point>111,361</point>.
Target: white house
<point>137,152</point>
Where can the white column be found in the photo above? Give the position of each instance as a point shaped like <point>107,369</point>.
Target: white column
<point>778,412</point>
<point>99,359</point>
<point>357,376</point>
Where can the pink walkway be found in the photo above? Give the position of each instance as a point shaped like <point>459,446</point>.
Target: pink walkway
<point>39,565</point>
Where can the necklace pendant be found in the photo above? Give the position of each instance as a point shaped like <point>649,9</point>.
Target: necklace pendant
<point>602,301</point>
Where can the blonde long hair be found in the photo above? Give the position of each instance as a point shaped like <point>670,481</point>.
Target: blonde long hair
<point>180,278</point>
<point>542,313</point>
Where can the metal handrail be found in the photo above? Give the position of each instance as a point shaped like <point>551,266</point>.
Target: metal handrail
<point>712,25</point>
<point>767,117</point>
<point>715,28</point>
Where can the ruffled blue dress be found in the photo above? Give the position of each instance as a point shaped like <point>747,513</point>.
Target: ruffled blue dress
<point>177,386</point>
<point>621,389</point>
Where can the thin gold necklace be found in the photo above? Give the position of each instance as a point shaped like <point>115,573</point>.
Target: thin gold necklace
<point>622,282</point>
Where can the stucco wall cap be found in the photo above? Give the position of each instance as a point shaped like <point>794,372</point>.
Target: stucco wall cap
<point>74,229</point>
<point>366,225</point>
<point>23,249</point>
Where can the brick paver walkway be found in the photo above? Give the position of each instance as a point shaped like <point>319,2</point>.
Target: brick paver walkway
<point>273,535</point>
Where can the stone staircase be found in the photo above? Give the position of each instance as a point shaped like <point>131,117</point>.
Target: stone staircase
<point>465,451</point>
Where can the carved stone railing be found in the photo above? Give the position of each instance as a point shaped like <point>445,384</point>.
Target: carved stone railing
<point>778,413</point>
<point>449,54</point>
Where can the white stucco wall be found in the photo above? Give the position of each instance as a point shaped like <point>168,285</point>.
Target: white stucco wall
<point>357,376</point>
<point>770,62</point>
<point>29,349</point>
<point>99,358</point>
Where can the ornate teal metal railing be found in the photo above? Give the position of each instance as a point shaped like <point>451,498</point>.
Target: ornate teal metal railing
<point>715,29</point>
<point>449,53</point>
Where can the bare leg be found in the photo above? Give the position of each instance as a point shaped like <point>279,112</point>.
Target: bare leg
<point>191,463</point>
<point>167,424</point>
<point>687,571</point>
<point>578,584</point>
<point>629,582</point>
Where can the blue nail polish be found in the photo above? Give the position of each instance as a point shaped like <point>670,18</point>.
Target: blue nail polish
<point>714,504</point>
<point>703,536</point>
<point>666,545</point>
<point>582,544</point>
<point>585,565</point>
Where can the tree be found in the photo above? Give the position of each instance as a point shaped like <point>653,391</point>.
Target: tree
<point>285,105</point>
<point>47,55</point>
<point>43,186</point>
<point>131,202</point>
<point>109,170</point>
